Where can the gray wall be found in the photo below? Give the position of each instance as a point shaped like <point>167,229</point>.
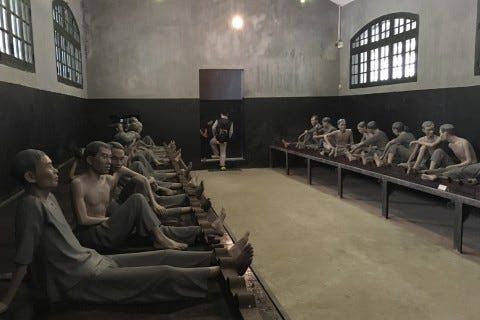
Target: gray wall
<point>446,41</point>
<point>45,76</point>
<point>154,48</point>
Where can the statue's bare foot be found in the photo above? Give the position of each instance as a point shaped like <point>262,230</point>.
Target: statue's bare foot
<point>244,260</point>
<point>217,224</point>
<point>167,243</point>
<point>235,250</point>
<point>349,156</point>
<point>378,161</point>
<point>285,143</point>
<point>429,177</point>
<point>364,159</point>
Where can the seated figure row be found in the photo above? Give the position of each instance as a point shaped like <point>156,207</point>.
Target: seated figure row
<point>112,203</point>
<point>424,155</point>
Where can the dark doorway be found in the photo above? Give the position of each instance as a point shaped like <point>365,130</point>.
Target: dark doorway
<point>221,91</point>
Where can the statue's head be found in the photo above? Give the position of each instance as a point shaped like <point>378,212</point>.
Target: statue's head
<point>34,168</point>
<point>398,127</point>
<point>342,124</point>
<point>98,155</point>
<point>446,130</point>
<point>428,128</point>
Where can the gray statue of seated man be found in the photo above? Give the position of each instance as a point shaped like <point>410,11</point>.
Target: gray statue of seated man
<point>398,149</point>
<point>441,163</point>
<point>355,155</point>
<point>306,138</point>
<point>319,136</point>
<point>135,125</point>
<point>338,141</point>
<point>106,226</point>
<point>128,182</point>
<point>374,144</point>
<point>423,149</point>
<point>66,271</point>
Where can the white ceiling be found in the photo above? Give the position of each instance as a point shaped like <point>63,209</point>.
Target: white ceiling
<point>341,2</point>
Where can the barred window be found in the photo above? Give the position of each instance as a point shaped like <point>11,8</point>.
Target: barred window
<point>68,50</point>
<point>16,40</point>
<point>385,51</point>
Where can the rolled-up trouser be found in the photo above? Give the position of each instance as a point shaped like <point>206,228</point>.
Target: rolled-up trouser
<point>441,158</point>
<point>147,277</point>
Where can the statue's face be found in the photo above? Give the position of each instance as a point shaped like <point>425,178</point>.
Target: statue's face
<point>45,175</point>
<point>101,162</point>
<point>361,130</point>
<point>371,131</point>
<point>395,131</point>
<point>429,131</point>
<point>313,121</point>
<point>118,160</point>
<point>443,135</point>
<point>325,124</point>
<point>342,126</point>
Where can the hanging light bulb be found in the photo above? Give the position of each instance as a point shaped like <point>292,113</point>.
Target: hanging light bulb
<point>237,22</point>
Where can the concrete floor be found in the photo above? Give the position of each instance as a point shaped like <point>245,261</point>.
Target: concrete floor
<point>328,258</point>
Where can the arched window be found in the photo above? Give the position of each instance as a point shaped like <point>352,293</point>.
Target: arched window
<point>385,51</point>
<point>16,40</point>
<point>68,50</point>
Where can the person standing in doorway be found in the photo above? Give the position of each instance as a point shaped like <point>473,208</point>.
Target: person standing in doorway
<point>222,130</point>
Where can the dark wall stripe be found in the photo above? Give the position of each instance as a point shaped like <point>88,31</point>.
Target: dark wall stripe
<point>38,119</point>
<point>55,122</point>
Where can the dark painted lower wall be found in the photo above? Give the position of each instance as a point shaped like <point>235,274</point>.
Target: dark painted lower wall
<point>54,122</point>
<point>163,120</point>
<point>37,119</point>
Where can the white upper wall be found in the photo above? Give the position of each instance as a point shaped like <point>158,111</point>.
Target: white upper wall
<point>45,75</point>
<point>154,48</point>
<point>446,44</point>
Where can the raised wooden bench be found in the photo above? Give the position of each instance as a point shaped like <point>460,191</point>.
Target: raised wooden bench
<point>388,178</point>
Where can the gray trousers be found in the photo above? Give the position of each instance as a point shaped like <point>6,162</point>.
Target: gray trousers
<point>400,153</point>
<point>175,204</point>
<point>148,277</point>
<point>135,217</point>
<point>441,158</point>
